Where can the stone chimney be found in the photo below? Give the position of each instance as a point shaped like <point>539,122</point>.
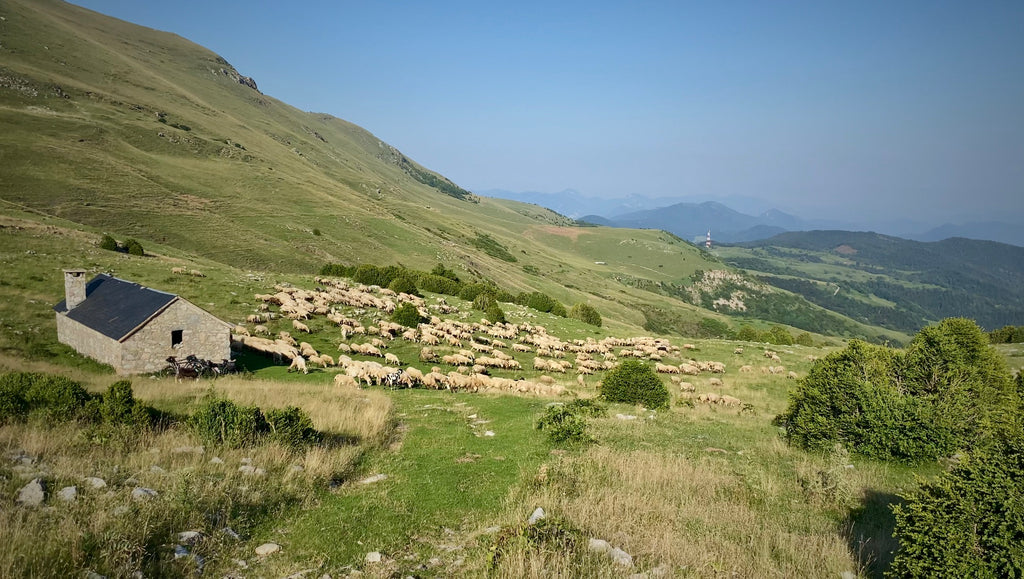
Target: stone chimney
<point>74,287</point>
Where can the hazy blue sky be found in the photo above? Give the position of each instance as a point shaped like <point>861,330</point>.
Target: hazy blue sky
<point>831,109</point>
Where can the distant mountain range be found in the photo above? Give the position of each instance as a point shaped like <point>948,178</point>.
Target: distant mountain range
<point>692,217</point>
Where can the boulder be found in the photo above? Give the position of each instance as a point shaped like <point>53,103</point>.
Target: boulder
<point>33,494</point>
<point>68,494</point>
<point>267,549</point>
<point>537,515</point>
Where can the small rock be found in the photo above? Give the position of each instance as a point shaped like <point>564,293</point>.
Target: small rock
<point>267,549</point>
<point>471,416</point>
<point>94,575</point>
<point>142,493</point>
<point>598,545</point>
<point>231,533</point>
<point>95,482</point>
<point>241,564</point>
<point>489,433</point>
<point>216,460</point>
<point>246,460</point>
<point>189,537</point>
<point>621,557</point>
<point>373,479</point>
<point>537,515</point>
<point>68,494</point>
<point>33,494</point>
<point>189,450</point>
<point>156,469</point>
<point>625,417</point>
<point>298,468</point>
<point>251,470</point>
<point>180,552</point>
<point>848,575</point>
<point>373,557</point>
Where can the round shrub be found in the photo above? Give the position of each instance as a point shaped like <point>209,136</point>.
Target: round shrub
<point>586,314</point>
<point>471,290</point>
<point>483,301</point>
<point>291,427</point>
<point>133,247</point>
<point>495,314</point>
<point>403,285</point>
<point>804,339</point>
<point>634,382</point>
<point>407,315</point>
<point>439,285</point>
<point>108,243</point>
<point>218,421</point>
<point>969,522</point>
<point>563,426</point>
<point>57,397</point>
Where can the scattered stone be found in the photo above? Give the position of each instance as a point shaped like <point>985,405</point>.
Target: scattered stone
<point>267,549</point>
<point>189,537</point>
<point>156,469</point>
<point>241,564</point>
<point>180,552</point>
<point>251,470</point>
<point>489,433</point>
<point>848,575</point>
<point>598,545</point>
<point>537,515</point>
<point>216,460</point>
<point>68,494</point>
<point>373,557</point>
<point>246,460</point>
<point>33,494</point>
<point>231,533</point>
<point>143,493</point>
<point>119,510</point>
<point>625,417</point>
<point>95,482</point>
<point>94,575</point>
<point>621,557</point>
<point>373,479</point>
<point>297,468</point>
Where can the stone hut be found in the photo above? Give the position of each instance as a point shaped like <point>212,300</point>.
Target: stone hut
<point>134,328</point>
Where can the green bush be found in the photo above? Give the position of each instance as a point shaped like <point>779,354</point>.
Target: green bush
<point>587,407</point>
<point>634,382</point>
<point>564,426</point>
<point>338,270</point>
<point>541,302</point>
<point>495,314</point>
<point>483,301</point>
<point>586,314</point>
<point>133,247</point>
<point>403,285</point>
<point>439,284</point>
<point>969,522</point>
<point>779,336</point>
<point>222,422</point>
<point>407,315</point>
<point>948,391</point>
<point>13,406</point>
<point>441,271</point>
<point>108,243</point>
<point>471,290</point>
<point>291,427</point>
<point>748,333</point>
<point>119,407</point>
<point>56,397</point>
<point>804,339</point>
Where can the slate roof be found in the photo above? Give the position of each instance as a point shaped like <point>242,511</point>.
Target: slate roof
<point>114,307</point>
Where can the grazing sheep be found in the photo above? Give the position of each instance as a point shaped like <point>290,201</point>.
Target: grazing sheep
<point>241,331</point>
<point>300,326</point>
<point>715,382</point>
<point>580,380</point>
<point>298,363</point>
<point>709,397</point>
<point>689,347</point>
<point>729,401</point>
<point>689,369</point>
<point>687,387</point>
<point>345,381</point>
<point>254,319</point>
<point>179,270</point>
<point>196,273</point>
<point>746,369</point>
<point>389,357</point>
<point>792,375</point>
<point>261,329</point>
<point>738,351</point>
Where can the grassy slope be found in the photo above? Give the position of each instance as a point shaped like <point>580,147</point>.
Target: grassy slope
<point>81,96</point>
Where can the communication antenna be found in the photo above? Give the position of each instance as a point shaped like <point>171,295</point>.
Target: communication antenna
<point>707,244</point>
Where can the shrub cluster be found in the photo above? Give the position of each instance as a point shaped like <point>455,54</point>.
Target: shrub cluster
<point>948,391</point>
<point>969,522</point>
<point>218,421</point>
<point>634,382</point>
<point>60,399</point>
<point>777,335</point>
<point>586,314</point>
<point>1007,335</point>
<point>130,245</point>
<point>407,315</point>
<point>541,302</point>
<point>566,424</point>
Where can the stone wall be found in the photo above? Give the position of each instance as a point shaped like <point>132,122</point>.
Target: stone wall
<point>88,342</point>
<point>203,335</point>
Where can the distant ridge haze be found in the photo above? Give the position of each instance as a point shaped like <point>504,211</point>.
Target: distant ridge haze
<point>736,219</point>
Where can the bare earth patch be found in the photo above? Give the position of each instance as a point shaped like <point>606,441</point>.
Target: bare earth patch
<point>572,233</point>
<point>845,250</point>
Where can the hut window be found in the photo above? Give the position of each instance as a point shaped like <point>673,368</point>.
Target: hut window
<point>176,337</point>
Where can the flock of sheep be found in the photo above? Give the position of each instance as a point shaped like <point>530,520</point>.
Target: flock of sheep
<point>471,349</point>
